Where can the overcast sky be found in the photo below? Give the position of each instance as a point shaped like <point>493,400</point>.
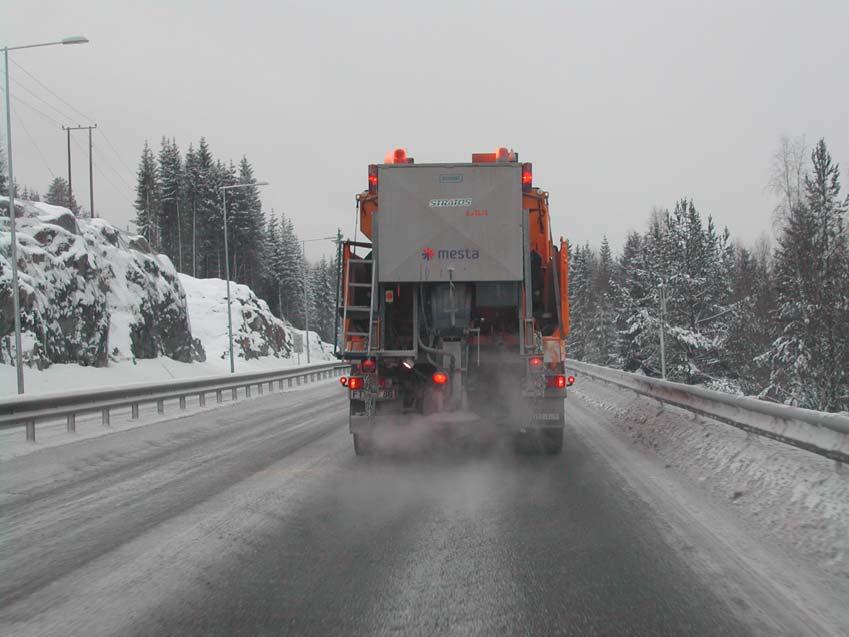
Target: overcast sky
<point>620,106</point>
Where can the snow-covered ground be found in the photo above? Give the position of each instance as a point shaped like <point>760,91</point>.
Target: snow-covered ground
<point>792,496</point>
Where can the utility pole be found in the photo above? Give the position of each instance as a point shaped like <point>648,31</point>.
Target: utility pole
<point>90,171</point>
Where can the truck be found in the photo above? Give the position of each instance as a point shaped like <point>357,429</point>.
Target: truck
<point>455,309</point>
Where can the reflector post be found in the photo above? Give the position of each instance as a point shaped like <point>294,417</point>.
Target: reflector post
<point>344,381</point>
<point>570,381</point>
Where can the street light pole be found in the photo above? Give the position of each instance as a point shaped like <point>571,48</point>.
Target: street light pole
<point>176,200</point>
<point>306,302</point>
<point>227,275</point>
<point>662,330</point>
<point>224,190</point>
<point>19,367</point>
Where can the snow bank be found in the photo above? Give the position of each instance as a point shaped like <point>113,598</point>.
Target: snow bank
<point>797,497</point>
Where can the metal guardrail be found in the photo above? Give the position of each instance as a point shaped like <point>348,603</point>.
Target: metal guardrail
<point>822,433</point>
<point>27,410</point>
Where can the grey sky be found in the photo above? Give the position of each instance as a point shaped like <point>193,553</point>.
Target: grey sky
<point>620,106</point>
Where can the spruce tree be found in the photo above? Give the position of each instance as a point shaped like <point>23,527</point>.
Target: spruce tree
<point>147,198</point>
<point>602,332</point>
<point>810,358</point>
<point>171,185</point>
<point>57,195</point>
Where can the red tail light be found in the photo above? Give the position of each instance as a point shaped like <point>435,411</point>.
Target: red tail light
<point>535,361</point>
<point>527,176</point>
<point>355,382</point>
<point>440,378</point>
<point>555,382</point>
<point>369,365</point>
<point>372,179</point>
<point>344,381</point>
<point>570,381</point>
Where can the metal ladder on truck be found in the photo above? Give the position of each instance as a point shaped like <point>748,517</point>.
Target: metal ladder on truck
<point>349,296</point>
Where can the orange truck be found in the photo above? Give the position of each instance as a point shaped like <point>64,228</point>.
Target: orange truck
<point>455,310</point>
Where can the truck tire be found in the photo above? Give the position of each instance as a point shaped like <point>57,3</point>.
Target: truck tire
<point>361,446</point>
<point>552,441</point>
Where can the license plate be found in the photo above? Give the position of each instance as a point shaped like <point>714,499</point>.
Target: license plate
<point>546,416</point>
<point>382,394</point>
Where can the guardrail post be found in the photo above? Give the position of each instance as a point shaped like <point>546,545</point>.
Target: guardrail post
<point>288,383</point>
<point>202,399</point>
<point>219,396</point>
<point>160,406</point>
<point>247,391</point>
<point>297,380</point>
<point>270,386</point>
<point>182,402</point>
<point>71,424</point>
<point>104,416</point>
<point>259,388</point>
<point>30,431</point>
<point>134,411</point>
<point>280,384</point>
<point>234,394</point>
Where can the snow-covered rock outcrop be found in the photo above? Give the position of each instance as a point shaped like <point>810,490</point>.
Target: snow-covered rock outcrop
<point>90,293</point>
<point>256,331</point>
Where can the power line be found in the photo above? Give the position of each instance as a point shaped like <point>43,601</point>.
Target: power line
<point>117,154</point>
<point>61,113</point>
<point>26,130</point>
<point>30,106</point>
<point>47,88</point>
<point>111,167</point>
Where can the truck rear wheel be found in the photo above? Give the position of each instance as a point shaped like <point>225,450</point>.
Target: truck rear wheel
<point>552,441</point>
<point>361,446</point>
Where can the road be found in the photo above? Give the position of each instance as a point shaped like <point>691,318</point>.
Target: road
<point>257,518</point>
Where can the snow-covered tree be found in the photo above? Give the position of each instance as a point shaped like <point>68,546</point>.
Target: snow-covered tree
<point>173,209</point>
<point>810,358</point>
<point>602,332</point>
<point>58,195</point>
<point>147,197</point>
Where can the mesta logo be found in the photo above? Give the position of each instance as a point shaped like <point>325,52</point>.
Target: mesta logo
<point>429,254</point>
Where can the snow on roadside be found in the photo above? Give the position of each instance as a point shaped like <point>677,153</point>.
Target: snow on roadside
<point>799,498</point>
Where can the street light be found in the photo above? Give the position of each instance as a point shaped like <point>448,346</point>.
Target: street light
<point>224,190</point>
<point>19,367</point>
<point>663,294</point>
<point>306,304</point>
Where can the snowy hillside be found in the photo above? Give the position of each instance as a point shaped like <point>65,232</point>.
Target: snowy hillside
<point>257,333</point>
<point>100,308</point>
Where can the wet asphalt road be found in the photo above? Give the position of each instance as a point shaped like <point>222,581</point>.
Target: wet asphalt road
<point>258,519</point>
